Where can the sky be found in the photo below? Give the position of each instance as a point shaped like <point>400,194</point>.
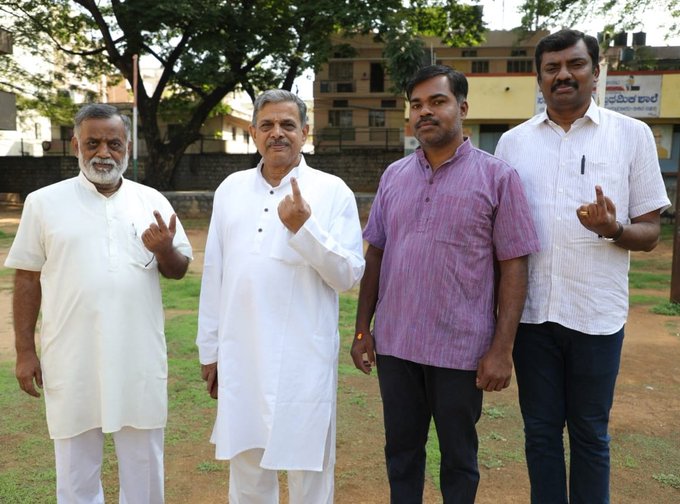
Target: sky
<point>503,15</point>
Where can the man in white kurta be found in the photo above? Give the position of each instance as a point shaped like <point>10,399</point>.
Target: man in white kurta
<point>268,311</point>
<point>83,248</point>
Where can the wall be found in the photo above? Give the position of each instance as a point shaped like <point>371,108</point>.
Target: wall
<point>361,170</point>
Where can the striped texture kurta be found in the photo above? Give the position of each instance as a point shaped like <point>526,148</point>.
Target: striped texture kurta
<point>578,280</point>
<point>440,231</point>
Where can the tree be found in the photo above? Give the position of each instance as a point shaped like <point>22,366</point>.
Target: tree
<point>621,15</point>
<point>455,24</point>
<point>206,49</point>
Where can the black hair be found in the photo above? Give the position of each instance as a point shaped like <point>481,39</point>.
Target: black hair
<point>457,81</point>
<point>562,40</point>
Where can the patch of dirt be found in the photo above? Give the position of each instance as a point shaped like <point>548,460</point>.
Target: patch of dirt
<point>647,403</point>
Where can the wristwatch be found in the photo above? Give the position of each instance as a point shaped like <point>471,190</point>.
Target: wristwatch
<point>615,237</point>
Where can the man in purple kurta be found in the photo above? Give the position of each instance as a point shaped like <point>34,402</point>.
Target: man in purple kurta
<point>447,222</point>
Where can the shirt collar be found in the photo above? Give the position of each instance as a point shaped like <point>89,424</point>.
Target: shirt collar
<point>296,172</point>
<point>462,150</point>
<point>593,113</point>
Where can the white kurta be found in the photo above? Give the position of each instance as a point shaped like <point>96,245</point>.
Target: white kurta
<point>103,350</point>
<point>268,314</point>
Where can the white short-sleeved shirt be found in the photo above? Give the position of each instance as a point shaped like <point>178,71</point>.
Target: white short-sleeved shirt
<point>103,349</point>
<point>577,279</point>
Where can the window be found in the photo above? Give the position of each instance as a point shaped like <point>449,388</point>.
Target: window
<point>340,103</point>
<point>469,53</point>
<point>341,70</point>
<point>376,118</point>
<point>340,118</point>
<point>377,78</point>
<point>518,52</point>
<point>520,66</point>
<point>233,133</point>
<point>246,137</point>
<point>480,66</point>
<point>388,103</point>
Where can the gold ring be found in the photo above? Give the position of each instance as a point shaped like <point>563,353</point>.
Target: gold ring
<point>583,213</point>
<point>360,335</point>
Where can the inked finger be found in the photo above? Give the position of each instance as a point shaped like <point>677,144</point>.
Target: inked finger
<point>297,195</point>
<point>159,220</point>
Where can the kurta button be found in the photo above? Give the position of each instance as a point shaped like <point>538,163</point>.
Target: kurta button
<point>431,181</point>
<point>427,199</point>
<point>259,230</point>
<point>271,192</point>
<point>266,209</point>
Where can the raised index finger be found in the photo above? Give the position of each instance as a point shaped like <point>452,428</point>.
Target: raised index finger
<point>599,197</point>
<point>297,195</point>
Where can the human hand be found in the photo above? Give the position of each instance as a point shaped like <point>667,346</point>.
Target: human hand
<point>599,216</point>
<point>27,370</point>
<point>209,375</point>
<point>293,209</point>
<point>363,351</point>
<point>494,370</point>
<point>158,237</point>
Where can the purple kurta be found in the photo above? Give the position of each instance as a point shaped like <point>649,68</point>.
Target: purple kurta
<point>440,232</point>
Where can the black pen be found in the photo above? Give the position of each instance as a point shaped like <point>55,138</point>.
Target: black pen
<point>583,164</point>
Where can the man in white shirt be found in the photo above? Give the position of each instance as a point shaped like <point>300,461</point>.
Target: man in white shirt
<point>284,239</point>
<point>593,181</point>
<point>88,253</point>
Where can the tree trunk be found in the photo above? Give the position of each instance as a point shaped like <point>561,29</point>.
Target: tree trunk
<point>160,168</point>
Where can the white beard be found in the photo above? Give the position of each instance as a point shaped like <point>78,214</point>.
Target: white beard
<point>103,177</point>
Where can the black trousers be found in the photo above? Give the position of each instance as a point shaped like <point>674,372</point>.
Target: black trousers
<point>412,395</point>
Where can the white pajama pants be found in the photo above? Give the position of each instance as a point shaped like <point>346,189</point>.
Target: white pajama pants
<point>251,484</point>
<point>140,466</point>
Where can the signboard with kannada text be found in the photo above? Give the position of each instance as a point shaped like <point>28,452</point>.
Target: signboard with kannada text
<point>631,95</point>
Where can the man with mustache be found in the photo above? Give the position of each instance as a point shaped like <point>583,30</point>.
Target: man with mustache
<point>88,253</point>
<point>284,239</point>
<point>593,181</point>
<point>444,218</point>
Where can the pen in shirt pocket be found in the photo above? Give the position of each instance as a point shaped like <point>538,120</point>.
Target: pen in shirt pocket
<point>583,164</point>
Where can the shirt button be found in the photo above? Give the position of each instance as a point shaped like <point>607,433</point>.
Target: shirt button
<point>271,192</point>
<point>431,181</point>
<point>427,199</point>
<point>259,230</point>
<point>266,209</point>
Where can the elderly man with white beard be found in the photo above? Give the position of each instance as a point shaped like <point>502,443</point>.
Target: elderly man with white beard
<point>88,254</point>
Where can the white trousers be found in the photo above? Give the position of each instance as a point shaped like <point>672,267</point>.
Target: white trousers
<point>251,484</point>
<point>140,466</point>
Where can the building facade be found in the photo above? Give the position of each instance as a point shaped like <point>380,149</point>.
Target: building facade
<point>355,107</point>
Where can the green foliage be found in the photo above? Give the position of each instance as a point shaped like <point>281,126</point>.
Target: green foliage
<point>205,50</point>
<point>454,23</point>
<point>621,15</point>
<point>669,308</point>
<point>671,480</point>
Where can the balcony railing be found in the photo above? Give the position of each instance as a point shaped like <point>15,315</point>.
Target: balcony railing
<point>5,42</point>
<point>337,139</point>
<point>332,86</point>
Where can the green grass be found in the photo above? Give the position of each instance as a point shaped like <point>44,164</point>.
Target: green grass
<point>667,308</point>
<point>645,299</point>
<point>27,459</point>
<point>647,280</point>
